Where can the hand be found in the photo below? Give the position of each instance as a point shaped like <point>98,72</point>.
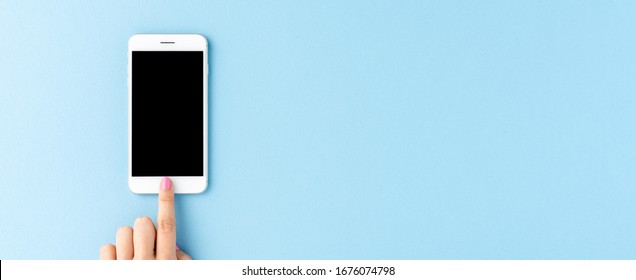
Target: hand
<point>139,244</point>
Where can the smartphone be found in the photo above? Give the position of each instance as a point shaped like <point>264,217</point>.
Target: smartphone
<point>167,112</point>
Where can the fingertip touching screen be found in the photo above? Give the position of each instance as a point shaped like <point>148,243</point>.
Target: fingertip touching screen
<point>167,113</point>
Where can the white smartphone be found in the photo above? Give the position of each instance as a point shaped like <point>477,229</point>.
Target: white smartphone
<point>167,112</point>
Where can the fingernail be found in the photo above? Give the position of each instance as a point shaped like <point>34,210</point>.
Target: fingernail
<point>177,246</point>
<point>166,183</point>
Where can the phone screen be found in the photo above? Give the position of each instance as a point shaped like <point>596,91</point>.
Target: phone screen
<point>167,113</point>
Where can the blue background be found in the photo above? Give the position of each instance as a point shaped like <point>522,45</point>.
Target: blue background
<point>339,130</point>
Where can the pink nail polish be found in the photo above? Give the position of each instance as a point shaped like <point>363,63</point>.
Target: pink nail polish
<point>177,246</point>
<point>166,183</point>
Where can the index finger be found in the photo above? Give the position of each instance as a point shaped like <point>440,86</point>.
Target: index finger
<point>166,223</point>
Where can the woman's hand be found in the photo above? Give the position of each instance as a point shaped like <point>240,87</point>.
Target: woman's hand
<point>140,244</point>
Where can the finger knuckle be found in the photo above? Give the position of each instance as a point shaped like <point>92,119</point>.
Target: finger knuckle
<point>143,220</point>
<point>124,230</point>
<point>166,199</point>
<point>166,224</point>
<point>106,248</point>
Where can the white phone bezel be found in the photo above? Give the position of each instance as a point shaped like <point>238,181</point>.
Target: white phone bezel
<point>181,42</point>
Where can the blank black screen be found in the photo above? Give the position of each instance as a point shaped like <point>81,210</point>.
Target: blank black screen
<point>167,113</point>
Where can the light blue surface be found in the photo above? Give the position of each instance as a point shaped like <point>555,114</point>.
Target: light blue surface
<point>339,130</point>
